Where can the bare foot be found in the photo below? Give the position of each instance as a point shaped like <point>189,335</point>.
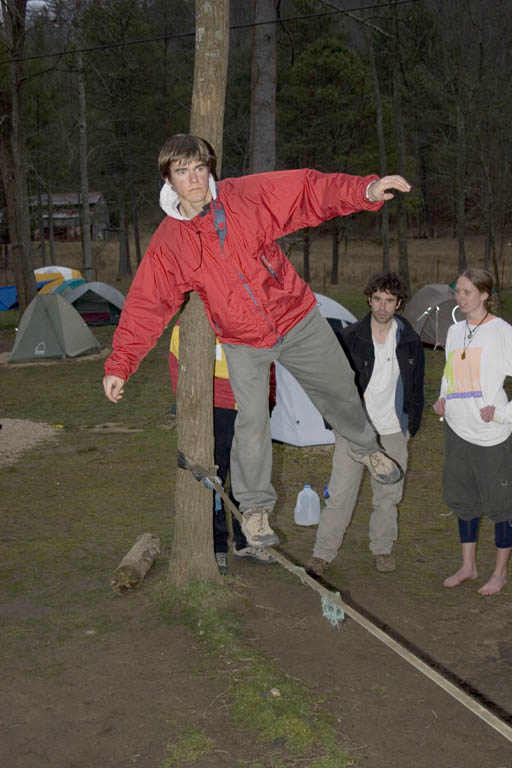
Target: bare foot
<point>494,585</point>
<point>466,572</point>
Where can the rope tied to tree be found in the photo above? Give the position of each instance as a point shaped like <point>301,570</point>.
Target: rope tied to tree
<point>334,610</point>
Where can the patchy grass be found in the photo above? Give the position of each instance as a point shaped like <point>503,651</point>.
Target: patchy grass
<point>192,745</point>
<point>282,711</point>
<point>73,509</point>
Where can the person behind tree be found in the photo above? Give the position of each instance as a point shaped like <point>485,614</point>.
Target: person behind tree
<point>477,473</point>
<point>224,417</point>
<point>219,240</point>
<point>387,357</point>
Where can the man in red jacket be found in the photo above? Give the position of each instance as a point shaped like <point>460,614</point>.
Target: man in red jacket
<point>219,240</point>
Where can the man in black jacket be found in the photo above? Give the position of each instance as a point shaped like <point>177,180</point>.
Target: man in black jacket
<point>387,357</point>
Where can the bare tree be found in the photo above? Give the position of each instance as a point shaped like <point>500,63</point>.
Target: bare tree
<point>262,136</point>
<point>12,152</point>
<point>84,175</point>
<point>382,150</point>
<point>403,258</point>
<point>192,554</point>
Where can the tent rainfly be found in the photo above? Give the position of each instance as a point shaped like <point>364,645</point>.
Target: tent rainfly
<point>431,311</point>
<point>98,303</point>
<point>51,328</point>
<point>295,420</point>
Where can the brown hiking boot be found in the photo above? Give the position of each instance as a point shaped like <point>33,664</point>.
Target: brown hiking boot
<point>381,467</point>
<point>385,563</point>
<point>316,566</point>
<point>256,529</point>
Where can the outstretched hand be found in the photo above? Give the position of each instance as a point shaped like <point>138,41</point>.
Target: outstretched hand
<point>379,190</point>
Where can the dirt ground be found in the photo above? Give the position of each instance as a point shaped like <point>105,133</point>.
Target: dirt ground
<point>115,700</point>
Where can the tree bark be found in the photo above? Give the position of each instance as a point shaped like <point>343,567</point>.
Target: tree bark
<point>262,136</point>
<point>306,233</point>
<point>40,216</point>
<point>12,153</point>
<point>87,268</point>
<point>403,256</point>
<point>136,563</point>
<point>51,230</point>
<point>460,195</point>
<point>383,158</point>
<point>125,267</point>
<point>192,556</point>
<point>135,221</point>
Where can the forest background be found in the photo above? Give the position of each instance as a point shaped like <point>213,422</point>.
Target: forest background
<point>89,91</point>
<point>420,87</point>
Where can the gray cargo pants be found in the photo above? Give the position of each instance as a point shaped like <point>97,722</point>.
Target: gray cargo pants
<point>343,492</point>
<point>311,352</point>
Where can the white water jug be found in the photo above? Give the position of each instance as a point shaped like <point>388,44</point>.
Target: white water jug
<point>307,508</point>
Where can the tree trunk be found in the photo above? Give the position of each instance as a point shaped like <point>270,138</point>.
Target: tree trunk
<point>40,216</point>
<point>84,175</point>
<point>192,555</point>
<point>135,220</point>
<point>460,196</point>
<point>51,231</point>
<point>262,136</point>
<point>403,256</point>
<point>383,158</point>
<point>305,253</point>
<point>12,153</point>
<point>335,250</point>
<point>125,268</point>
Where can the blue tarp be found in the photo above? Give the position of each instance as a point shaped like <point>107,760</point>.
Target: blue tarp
<point>9,295</point>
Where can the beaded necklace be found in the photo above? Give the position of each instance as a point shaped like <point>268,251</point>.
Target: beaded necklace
<point>471,334</point>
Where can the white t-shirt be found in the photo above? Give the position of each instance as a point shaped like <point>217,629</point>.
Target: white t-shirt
<point>477,380</point>
<point>379,395</point>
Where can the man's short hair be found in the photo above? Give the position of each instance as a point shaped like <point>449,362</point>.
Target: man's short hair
<point>390,283</point>
<point>185,147</point>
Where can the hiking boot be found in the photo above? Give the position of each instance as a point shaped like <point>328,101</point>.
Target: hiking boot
<point>256,529</point>
<point>381,467</point>
<point>316,566</point>
<point>222,562</point>
<point>385,563</point>
<point>254,553</point>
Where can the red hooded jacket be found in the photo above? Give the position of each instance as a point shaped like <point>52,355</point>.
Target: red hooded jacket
<point>228,255</point>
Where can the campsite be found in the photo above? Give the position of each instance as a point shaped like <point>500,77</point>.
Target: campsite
<point>251,673</point>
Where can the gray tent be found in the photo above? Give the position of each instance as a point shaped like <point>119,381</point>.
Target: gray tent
<point>431,311</point>
<point>51,327</point>
<point>98,303</point>
<point>295,420</point>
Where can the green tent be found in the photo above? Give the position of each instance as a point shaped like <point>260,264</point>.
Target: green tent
<point>51,327</point>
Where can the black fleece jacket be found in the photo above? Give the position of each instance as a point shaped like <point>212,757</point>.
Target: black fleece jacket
<point>357,342</point>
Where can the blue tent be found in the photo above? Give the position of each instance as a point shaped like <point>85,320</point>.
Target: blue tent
<point>9,296</point>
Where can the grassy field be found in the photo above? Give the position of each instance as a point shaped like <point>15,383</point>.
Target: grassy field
<point>71,509</point>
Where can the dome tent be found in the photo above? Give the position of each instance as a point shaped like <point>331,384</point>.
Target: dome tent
<point>431,311</point>
<point>98,303</point>
<point>51,328</point>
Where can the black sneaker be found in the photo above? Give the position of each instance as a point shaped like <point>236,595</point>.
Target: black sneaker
<point>222,562</point>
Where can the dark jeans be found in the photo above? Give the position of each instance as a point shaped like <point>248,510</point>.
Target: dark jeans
<point>223,430</point>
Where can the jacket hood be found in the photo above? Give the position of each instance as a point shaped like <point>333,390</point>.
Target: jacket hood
<point>169,200</point>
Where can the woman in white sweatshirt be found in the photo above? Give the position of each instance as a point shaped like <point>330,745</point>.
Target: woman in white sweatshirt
<point>477,474</point>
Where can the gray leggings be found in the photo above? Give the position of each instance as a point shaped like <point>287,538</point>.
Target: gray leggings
<point>311,352</point>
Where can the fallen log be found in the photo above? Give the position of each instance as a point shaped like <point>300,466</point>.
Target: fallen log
<point>136,563</point>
